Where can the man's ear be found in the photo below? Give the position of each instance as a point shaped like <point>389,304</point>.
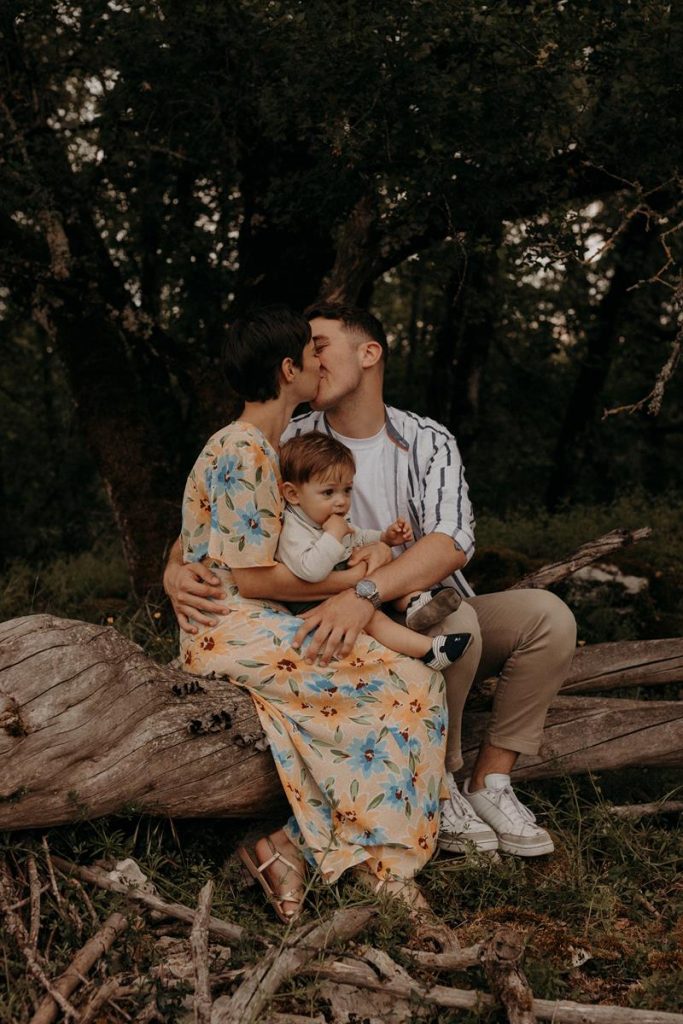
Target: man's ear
<point>371,353</point>
<point>290,493</point>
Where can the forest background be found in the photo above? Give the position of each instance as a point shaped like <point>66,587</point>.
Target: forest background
<point>499,183</point>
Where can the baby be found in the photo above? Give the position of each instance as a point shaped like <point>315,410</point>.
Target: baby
<point>317,539</point>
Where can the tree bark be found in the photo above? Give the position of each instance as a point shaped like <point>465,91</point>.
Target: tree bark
<point>90,726</point>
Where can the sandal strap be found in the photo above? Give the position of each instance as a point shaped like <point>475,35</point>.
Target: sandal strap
<point>277,856</point>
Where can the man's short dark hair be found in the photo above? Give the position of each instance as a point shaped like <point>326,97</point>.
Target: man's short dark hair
<point>353,318</point>
<point>255,347</point>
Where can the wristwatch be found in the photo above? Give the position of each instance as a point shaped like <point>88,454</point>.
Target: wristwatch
<point>368,590</point>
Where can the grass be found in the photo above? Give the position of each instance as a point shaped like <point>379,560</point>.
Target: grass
<point>603,916</point>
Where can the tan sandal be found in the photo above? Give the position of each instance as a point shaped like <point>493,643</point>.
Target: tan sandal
<point>275,899</point>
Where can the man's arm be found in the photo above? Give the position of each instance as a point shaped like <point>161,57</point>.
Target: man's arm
<point>339,620</point>
<point>427,562</point>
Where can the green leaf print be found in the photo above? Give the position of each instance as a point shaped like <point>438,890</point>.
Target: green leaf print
<point>361,720</point>
<point>391,766</point>
<point>251,664</point>
<point>338,735</point>
<point>240,545</point>
<point>376,801</point>
<point>409,810</point>
<point>228,502</point>
<point>293,687</point>
<point>248,484</point>
<point>397,681</point>
<point>340,755</point>
<point>276,725</point>
<point>259,477</point>
<point>315,803</point>
<point>353,789</point>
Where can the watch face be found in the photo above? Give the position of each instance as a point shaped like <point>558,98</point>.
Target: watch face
<point>366,588</point>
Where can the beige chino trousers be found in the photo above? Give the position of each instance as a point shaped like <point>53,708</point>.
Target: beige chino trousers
<point>527,638</point>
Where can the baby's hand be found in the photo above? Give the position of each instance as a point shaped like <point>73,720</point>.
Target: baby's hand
<point>399,532</point>
<point>337,526</point>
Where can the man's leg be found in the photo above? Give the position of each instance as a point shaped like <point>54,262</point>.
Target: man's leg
<point>529,636</point>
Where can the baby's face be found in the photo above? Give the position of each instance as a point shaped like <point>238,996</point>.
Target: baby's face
<point>322,497</point>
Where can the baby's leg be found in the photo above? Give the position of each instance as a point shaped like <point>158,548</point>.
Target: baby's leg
<point>437,652</point>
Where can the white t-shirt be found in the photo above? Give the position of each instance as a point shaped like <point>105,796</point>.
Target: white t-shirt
<point>372,502</point>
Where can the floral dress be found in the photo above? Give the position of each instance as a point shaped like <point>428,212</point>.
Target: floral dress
<point>359,745</point>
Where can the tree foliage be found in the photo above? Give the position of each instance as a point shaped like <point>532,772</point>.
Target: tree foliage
<point>167,164</point>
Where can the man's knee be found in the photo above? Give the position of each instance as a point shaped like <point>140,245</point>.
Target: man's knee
<point>560,617</point>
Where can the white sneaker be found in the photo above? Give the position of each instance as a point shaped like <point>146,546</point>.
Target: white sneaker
<point>460,828</point>
<point>513,823</point>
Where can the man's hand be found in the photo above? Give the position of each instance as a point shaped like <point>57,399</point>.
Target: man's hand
<point>373,554</point>
<point>400,532</point>
<point>337,623</point>
<point>337,526</point>
<point>195,593</point>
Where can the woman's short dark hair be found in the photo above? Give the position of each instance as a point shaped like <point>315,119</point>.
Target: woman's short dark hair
<point>255,347</point>
<point>353,318</point>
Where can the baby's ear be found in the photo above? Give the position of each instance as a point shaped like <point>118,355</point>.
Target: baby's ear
<point>290,493</point>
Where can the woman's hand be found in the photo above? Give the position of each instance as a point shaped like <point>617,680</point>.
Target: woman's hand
<point>374,555</point>
<point>195,593</point>
<point>337,623</point>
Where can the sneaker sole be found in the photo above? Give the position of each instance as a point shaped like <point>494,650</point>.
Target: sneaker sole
<point>445,602</point>
<point>525,851</point>
<point>465,845</point>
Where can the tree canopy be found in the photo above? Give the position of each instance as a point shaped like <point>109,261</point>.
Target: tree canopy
<point>500,182</point>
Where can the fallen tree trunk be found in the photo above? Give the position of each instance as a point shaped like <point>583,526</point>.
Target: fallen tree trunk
<point>630,663</point>
<point>90,726</point>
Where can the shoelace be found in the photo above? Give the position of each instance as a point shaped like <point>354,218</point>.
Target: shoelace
<point>507,801</point>
<point>458,804</point>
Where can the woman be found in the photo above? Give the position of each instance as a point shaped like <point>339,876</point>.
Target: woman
<point>359,746</point>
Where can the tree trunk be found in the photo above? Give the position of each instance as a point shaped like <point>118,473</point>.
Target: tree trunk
<point>89,726</point>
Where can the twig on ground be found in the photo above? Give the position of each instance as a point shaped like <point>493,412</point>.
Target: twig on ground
<point>219,929</point>
<point>16,929</point>
<point>111,989</point>
<point>558,1011</point>
<point>501,959</point>
<point>263,980</point>
<point>51,873</point>
<point>75,973</point>
<point>199,944</point>
<point>455,960</point>
<point>631,811</point>
<point>34,884</point>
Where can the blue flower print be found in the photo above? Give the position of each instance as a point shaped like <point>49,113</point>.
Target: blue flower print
<point>404,739</point>
<point>400,789</point>
<point>436,726</point>
<point>374,837</point>
<point>228,476</point>
<point>284,625</point>
<point>360,688</point>
<point>316,683</point>
<point>367,755</point>
<point>249,525</point>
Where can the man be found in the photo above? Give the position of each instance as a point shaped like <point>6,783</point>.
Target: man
<point>409,466</point>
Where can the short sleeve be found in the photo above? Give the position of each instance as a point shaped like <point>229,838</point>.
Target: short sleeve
<point>232,509</point>
<point>445,503</point>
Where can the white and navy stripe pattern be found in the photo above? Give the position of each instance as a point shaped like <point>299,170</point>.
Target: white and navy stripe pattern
<point>428,478</point>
